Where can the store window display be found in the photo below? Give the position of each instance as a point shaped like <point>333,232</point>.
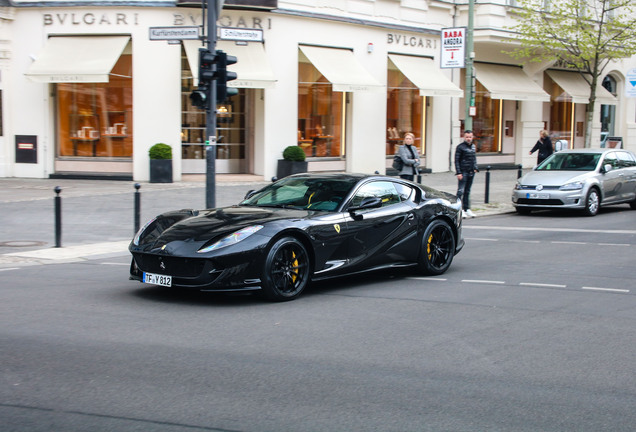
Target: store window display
<point>406,111</point>
<point>320,114</point>
<point>95,119</point>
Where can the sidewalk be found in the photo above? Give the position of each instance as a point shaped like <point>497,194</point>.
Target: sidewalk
<point>98,215</point>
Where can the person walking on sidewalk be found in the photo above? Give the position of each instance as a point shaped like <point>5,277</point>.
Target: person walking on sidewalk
<point>465,169</point>
<point>410,157</point>
<point>544,145</point>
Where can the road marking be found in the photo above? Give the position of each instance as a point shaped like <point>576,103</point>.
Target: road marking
<point>624,291</point>
<point>115,264</point>
<point>572,230</point>
<point>614,244</point>
<point>483,281</point>
<point>542,285</point>
<point>525,241</point>
<point>481,239</point>
<point>427,278</point>
<point>568,242</point>
<point>10,268</point>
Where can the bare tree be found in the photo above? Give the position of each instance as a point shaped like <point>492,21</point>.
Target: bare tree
<point>583,35</point>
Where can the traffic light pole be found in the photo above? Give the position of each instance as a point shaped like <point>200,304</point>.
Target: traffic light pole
<point>210,124</point>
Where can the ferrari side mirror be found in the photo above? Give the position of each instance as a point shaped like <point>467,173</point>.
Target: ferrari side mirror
<point>367,203</point>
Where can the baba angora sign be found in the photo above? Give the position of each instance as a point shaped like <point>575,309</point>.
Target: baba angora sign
<point>453,47</point>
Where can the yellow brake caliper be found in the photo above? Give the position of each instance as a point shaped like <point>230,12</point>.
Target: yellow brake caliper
<point>295,263</point>
<point>428,246</point>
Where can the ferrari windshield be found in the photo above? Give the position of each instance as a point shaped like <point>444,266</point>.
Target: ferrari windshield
<point>570,162</point>
<point>309,193</point>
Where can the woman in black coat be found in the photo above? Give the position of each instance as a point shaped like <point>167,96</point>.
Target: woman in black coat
<point>544,145</point>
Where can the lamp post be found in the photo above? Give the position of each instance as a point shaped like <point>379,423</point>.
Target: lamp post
<point>469,88</point>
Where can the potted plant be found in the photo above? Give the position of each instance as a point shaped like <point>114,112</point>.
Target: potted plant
<point>160,163</point>
<point>293,162</point>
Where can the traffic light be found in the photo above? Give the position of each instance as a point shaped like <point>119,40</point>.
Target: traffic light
<point>223,60</point>
<point>201,96</point>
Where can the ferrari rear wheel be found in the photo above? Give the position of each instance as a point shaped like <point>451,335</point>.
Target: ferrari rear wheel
<point>286,271</point>
<point>438,248</point>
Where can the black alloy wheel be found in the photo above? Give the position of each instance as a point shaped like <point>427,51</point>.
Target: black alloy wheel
<point>438,248</point>
<point>286,271</point>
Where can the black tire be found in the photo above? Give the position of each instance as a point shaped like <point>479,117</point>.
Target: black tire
<point>438,248</point>
<point>286,270</point>
<point>592,202</point>
<point>632,204</point>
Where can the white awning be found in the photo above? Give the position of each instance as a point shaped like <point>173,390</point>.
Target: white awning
<point>252,68</point>
<point>77,59</point>
<point>578,90</point>
<point>342,69</point>
<point>509,82</point>
<point>422,72</point>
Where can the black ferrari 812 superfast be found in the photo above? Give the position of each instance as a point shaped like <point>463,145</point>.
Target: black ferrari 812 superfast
<point>301,228</point>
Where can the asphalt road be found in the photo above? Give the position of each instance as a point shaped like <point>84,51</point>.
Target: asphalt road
<point>532,329</point>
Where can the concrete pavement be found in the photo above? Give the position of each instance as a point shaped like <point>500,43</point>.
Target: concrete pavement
<point>98,215</point>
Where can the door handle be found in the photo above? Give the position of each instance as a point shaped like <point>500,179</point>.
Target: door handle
<point>411,216</point>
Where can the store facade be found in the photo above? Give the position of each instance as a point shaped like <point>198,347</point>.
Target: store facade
<point>88,91</point>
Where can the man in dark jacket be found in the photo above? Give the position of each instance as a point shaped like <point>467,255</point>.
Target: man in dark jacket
<point>465,168</point>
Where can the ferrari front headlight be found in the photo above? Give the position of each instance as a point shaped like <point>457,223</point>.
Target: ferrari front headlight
<point>141,231</point>
<point>572,186</point>
<point>232,239</point>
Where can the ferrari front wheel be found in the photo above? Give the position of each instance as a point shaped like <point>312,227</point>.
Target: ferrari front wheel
<point>286,270</point>
<point>438,248</point>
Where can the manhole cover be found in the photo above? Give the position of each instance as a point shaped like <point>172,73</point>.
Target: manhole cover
<point>21,243</point>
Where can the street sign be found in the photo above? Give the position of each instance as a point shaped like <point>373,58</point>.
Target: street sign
<point>453,47</point>
<point>174,33</point>
<point>241,34</point>
<point>630,86</point>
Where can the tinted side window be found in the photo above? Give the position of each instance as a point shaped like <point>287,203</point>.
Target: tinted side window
<point>610,158</point>
<point>406,193</point>
<point>625,160</point>
<point>381,189</point>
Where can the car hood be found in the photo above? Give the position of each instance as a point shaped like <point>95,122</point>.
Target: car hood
<point>205,225</point>
<point>553,178</point>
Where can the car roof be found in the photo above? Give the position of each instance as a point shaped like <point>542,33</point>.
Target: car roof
<point>339,175</point>
<point>592,150</point>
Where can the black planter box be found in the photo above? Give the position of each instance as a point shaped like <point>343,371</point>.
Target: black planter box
<point>160,170</point>
<point>287,168</point>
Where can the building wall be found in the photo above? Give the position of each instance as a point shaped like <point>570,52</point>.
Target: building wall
<point>390,26</point>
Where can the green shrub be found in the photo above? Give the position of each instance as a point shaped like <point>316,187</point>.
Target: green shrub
<point>294,153</point>
<point>160,151</point>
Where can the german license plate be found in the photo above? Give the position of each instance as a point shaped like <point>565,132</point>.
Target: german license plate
<point>538,195</point>
<point>157,279</point>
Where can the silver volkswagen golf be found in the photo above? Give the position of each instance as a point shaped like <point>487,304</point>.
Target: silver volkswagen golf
<point>584,179</point>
